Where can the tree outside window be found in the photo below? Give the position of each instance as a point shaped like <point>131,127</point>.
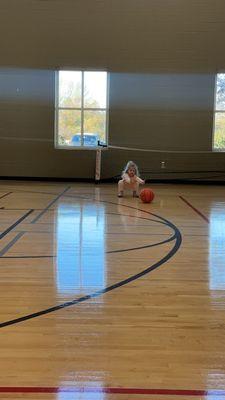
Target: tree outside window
<point>81,108</point>
<point>219,117</point>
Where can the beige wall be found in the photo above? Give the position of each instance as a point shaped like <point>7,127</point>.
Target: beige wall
<point>27,129</point>
<point>172,112</point>
<point>163,56</point>
<point>123,35</point>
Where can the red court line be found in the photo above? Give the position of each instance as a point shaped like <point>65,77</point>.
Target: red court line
<point>113,390</point>
<point>195,209</point>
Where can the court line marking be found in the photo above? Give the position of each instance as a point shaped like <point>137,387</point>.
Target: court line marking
<point>111,251</point>
<point>142,247</point>
<point>121,390</point>
<point>28,257</point>
<point>107,252</point>
<point>11,243</point>
<point>169,255</point>
<point>15,224</point>
<point>136,233</point>
<point>112,233</point>
<point>50,204</point>
<point>4,195</point>
<point>23,209</point>
<point>93,194</point>
<point>195,209</point>
<point>113,390</point>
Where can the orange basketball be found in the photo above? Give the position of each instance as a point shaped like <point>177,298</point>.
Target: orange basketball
<point>147,195</point>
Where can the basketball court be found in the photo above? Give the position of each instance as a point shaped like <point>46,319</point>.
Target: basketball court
<point>112,202</point>
<point>107,298</point>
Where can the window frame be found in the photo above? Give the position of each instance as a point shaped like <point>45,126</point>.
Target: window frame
<point>81,109</point>
<point>215,111</point>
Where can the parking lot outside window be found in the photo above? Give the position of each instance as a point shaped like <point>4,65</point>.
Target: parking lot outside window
<point>81,109</point>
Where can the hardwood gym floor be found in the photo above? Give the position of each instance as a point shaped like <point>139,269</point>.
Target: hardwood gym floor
<point>105,298</point>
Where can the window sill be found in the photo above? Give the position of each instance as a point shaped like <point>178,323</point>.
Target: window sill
<point>218,150</point>
<point>81,148</point>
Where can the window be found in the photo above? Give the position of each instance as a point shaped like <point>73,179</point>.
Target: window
<point>81,111</point>
<point>219,116</point>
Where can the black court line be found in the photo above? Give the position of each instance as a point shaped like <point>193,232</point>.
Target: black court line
<point>36,231</point>
<point>15,224</point>
<point>178,241</point>
<point>191,234</point>
<point>110,251</point>
<point>138,247</point>
<point>33,191</point>
<point>45,223</point>
<point>50,204</point>
<point>11,243</point>
<point>23,209</point>
<point>136,226</point>
<point>142,247</point>
<point>135,233</point>
<point>28,257</point>
<point>150,234</point>
<point>135,216</point>
<point>107,252</point>
<point>4,195</point>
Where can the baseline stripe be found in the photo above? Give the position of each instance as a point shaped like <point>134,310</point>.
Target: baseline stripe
<point>113,390</point>
<point>195,209</point>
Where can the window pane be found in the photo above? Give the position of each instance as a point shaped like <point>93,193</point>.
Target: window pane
<point>219,133</point>
<point>220,92</point>
<point>70,89</point>
<point>95,124</point>
<point>95,87</point>
<point>69,124</point>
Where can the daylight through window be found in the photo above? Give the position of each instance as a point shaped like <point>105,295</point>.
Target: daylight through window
<point>81,108</point>
<point>219,117</point>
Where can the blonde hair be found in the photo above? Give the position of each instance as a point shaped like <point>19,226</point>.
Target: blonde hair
<point>131,164</point>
